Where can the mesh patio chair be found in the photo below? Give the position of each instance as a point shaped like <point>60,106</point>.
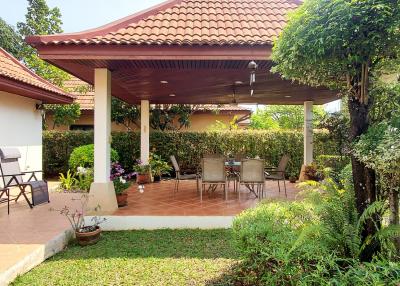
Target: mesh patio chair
<point>252,176</point>
<point>5,197</point>
<point>213,174</point>
<point>179,176</point>
<point>13,177</point>
<point>278,173</point>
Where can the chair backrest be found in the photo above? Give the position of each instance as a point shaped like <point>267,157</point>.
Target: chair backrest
<point>174,163</point>
<point>9,166</point>
<point>283,163</point>
<point>252,171</point>
<point>213,170</point>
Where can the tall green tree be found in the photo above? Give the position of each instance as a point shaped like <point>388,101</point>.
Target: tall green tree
<point>10,40</point>
<point>284,117</point>
<point>41,20</point>
<point>339,44</point>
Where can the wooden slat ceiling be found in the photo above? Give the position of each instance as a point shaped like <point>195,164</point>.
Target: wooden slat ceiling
<point>196,81</point>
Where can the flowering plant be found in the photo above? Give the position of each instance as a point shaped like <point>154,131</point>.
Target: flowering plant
<point>141,168</point>
<point>77,218</point>
<point>119,178</point>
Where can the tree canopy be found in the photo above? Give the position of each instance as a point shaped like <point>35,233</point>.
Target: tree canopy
<point>10,40</point>
<point>41,20</point>
<point>284,117</point>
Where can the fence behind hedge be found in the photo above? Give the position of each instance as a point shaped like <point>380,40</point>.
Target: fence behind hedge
<point>188,147</point>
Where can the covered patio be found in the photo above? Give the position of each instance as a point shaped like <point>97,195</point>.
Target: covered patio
<point>179,52</point>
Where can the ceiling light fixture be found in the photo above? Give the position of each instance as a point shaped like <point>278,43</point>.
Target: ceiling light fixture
<point>172,95</point>
<point>238,82</point>
<point>288,96</point>
<point>163,82</point>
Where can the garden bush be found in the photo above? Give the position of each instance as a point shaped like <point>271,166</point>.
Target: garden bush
<point>315,241</point>
<point>83,156</point>
<point>188,147</point>
<point>335,163</point>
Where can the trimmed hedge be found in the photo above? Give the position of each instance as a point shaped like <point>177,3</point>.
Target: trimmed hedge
<point>188,147</point>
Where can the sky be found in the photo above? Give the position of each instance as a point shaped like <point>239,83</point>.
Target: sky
<point>76,18</point>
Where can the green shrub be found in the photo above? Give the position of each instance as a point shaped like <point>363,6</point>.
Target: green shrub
<point>335,163</point>
<point>267,238</point>
<point>83,156</point>
<point>188,147</point>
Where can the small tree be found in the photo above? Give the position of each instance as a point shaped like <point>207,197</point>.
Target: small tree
<point>124,113</point>
<point>283,117</point>
<point>64,114</point>
<point>339,44</point>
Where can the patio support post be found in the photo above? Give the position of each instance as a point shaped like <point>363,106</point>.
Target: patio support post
<point>144,131</point>
<point>102,189</point>
<point>308,136</point>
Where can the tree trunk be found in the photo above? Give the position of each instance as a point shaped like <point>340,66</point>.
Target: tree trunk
<point>363,177</point>
<point>394,214</point>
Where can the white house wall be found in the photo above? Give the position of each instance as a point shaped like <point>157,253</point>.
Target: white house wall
<point>21,127</point>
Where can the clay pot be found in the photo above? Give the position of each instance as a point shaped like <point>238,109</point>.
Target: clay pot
<point>292,180</point>
<point>122,199</point>
<point>88,237</point>
<point>157,179</point>
<point>143,178</point>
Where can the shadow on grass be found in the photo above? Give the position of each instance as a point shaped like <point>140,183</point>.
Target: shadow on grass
<point>166,243</point>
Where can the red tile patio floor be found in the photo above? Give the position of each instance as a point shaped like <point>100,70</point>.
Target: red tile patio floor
<point>158,199</point>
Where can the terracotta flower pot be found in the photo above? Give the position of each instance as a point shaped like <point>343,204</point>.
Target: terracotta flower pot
<point>88,237</point>
<point>292,180</point>
<point>122,199</point>
<point>143,178</point>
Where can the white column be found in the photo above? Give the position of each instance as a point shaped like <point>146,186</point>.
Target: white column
<point>102,192</point>
<point>144,131</point>
<point>308,132</point>
<point>102,125</point>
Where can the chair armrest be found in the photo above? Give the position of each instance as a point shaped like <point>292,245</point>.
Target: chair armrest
<point>30,172</point>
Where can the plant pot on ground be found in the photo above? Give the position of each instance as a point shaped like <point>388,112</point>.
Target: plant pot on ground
<point>121,184</point>
<point>158,167</point>
<point>292,179</point>
<point>88,235</point>
<point>143,173</point>
<point>84,234</point>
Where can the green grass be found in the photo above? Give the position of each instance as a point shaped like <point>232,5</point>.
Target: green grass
<point>161,257</point>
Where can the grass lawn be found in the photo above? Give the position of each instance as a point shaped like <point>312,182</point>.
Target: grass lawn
<point>160,257</point>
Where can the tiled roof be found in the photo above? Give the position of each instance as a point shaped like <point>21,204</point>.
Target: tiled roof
<point>12,69</point>
<point>191,22</point>
<point>84,95</point>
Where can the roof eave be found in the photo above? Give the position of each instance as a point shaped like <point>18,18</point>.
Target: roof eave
<point>26,90</point>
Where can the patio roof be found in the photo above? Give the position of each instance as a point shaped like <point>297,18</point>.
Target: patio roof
<point>17,79</point>
<point>196,50</point>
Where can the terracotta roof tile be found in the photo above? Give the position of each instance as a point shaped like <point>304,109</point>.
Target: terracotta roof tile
<point>192,22</point>
<point>12,69</point>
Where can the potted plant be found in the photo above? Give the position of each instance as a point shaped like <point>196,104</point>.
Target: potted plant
<point>292,177</point>
<point>121,183</point>
<point>142,173</point>
<point>158,167</point>
<point>311,173</point>
<point>85,234</point>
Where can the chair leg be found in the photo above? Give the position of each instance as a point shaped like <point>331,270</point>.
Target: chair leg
<point>8,200</point>
<point>284,184</point>
<point>279,187</point>
<point>225,192</point>
<point>201,192</point>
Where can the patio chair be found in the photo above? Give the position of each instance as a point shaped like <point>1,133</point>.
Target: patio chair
<point>179,176</point>
<point>278,173</point>
<point>252,176</point>
<point>5,192</point>
<point>213,174</point>
<point>13,177</point>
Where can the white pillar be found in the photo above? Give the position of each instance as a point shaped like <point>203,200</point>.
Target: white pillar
<point>144,131</point>
<point>308,132</point>
<point>102,190</point>
<point>102,125</point>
